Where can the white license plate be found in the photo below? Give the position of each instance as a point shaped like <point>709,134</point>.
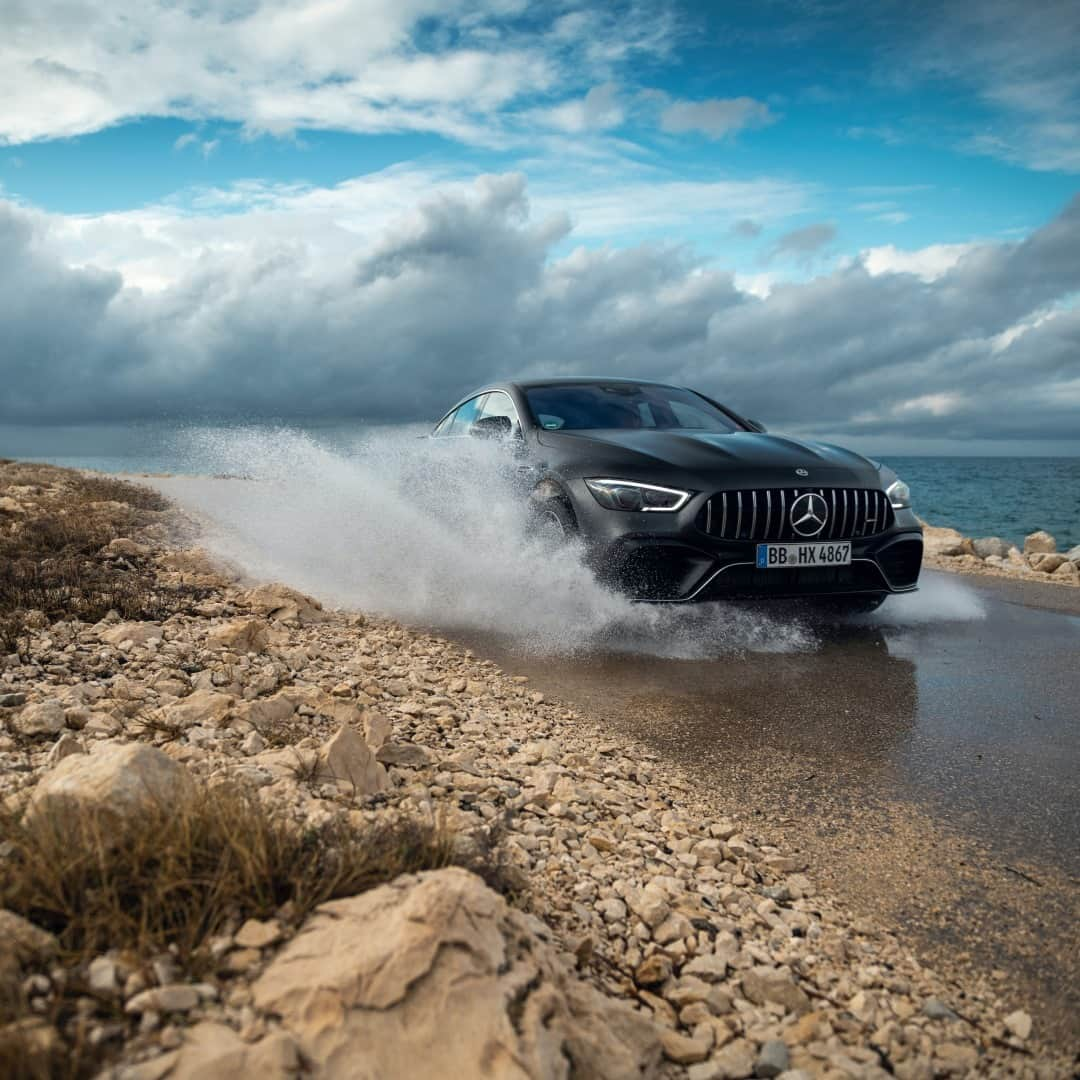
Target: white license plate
<point>786,556</point>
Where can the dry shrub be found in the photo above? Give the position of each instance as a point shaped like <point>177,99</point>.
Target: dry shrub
<point>179,874</point>
<point>51,559</point>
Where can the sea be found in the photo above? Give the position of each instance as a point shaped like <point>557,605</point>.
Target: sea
<point>1003,496</point>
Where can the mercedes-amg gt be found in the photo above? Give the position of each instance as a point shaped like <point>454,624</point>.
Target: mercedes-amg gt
<point>677,498</point>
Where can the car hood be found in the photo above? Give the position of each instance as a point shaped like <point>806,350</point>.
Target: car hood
<point>704,453</point>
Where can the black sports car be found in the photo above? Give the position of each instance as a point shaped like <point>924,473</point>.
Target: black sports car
<point>678,498</point>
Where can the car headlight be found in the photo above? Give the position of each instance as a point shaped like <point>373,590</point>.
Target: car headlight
<point>630,495</point>
<point>899,495</point>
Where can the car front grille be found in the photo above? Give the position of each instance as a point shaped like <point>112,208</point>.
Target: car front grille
<point>765,514</point>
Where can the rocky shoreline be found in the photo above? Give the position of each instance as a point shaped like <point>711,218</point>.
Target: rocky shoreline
<point>602,920</point>
<point>1039,560</point>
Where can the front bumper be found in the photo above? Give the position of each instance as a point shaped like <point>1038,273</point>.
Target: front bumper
<point>666,558</point>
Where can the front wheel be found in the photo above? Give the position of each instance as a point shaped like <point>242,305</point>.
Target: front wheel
<point>554,522</point>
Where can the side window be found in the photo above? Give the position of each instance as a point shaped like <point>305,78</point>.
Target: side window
<point>690,417</point>
<point>443,426</point>
<point>499,404</point>
<point>464,416</point>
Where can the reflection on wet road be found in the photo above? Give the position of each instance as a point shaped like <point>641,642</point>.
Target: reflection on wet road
<point>919,760</point>
<point>980,718</point>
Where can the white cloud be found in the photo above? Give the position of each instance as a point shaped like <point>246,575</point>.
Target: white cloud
<point>69,67</point>
<point>716,117</point>
<point>928,263</point>
<point>598,110</point>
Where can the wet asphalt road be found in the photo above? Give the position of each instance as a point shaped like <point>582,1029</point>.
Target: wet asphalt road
<point>931,769</point>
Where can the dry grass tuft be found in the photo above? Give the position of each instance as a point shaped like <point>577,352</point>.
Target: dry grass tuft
<point>51,556</point>
<point>172,878</point>
<point>177,875</point>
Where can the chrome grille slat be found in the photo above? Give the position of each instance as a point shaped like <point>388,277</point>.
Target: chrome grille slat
<point>761,514</point>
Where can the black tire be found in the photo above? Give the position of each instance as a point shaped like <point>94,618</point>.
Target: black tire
<point>850,605</point>
<point>554,520</point>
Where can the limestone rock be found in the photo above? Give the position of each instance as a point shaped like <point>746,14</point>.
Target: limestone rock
<point>241,636</point>
<point>991,545</point>
<point>64,747</point>
<point>940,541</point>
<point>1040,541</point>
<point>374,986</point>
<point>734,1062</point>
<point>24,943</point>
<point>376,729</point>
<point>174,998</point>
<point>1067,571</point>
<point>137,632</point>
<point>411,755</point>
<point>1073,554</point>
<point>1019,1024</point>
<point>122,779</point>
<point>124,545</point>
<point>266,713</point>
<point>205,708</point>
<point>348,757</point>
<point>213,1051</point>
<point>1047,563</point>
<point>761,984</point>
<point>41,718</point>
<point>256,934</point>
<point>286,605</point>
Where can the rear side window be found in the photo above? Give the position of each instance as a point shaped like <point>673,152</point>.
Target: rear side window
<point>465,414</point>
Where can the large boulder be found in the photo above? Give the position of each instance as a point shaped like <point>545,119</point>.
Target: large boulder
<point>1073,554</point>
<point>286,605</point>
<point>988,546</point>
<point>1037,542</point>
<point>435,975</point>
<point>121,779</point>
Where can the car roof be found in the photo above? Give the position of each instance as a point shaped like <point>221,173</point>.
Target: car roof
<point>572,380</point>
<point>559,380</point>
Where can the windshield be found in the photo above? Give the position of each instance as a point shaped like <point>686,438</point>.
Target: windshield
<point>581,407</point>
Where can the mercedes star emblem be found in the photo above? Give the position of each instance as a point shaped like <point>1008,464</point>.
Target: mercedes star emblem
<point>809,513</point>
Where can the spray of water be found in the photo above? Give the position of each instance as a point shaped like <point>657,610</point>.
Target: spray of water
<point>436,534</point>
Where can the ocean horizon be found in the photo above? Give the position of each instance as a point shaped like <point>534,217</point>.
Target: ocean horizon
<point>1007,496</point>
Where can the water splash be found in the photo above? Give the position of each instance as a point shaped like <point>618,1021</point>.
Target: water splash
<point>433,534</point>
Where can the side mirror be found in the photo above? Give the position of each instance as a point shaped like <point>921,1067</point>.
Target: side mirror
<point>757,425</point>
<point>491,427</point>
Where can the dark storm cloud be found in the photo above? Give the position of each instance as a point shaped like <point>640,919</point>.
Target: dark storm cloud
<point>466,290</point>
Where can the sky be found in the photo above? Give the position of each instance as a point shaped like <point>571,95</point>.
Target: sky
<point>856,220</point>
